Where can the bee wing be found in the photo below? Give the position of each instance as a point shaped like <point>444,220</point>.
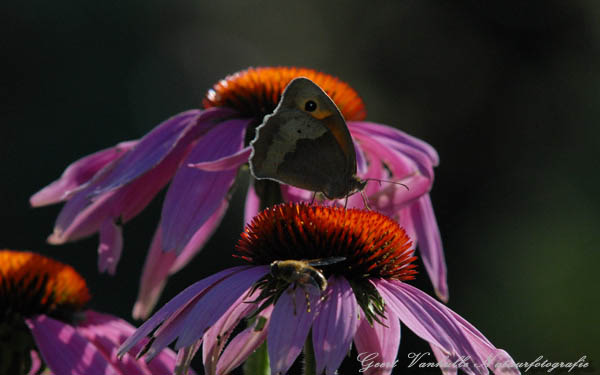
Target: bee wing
<point>325,261</point>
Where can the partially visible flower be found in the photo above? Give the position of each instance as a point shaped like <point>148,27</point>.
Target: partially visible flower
<point>363,303</point>
<point>44,325</point>
<point>112,186</point>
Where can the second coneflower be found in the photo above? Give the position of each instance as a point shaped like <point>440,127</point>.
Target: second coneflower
<point>44,327</point>
<point>358,295</point>
<point>112,186</point>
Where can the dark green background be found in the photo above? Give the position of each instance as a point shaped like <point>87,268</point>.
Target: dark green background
<point>506,92</point>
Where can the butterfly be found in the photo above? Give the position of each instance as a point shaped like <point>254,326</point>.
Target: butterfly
<point>306,143</point>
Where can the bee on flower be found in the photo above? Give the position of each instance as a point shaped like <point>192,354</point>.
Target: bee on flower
<point>366,259</point>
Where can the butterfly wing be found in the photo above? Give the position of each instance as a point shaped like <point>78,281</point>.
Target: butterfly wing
<point>310,149</point>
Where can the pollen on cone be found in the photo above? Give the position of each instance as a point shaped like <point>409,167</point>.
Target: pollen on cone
<point>372,244</point>
<point>38,284</point>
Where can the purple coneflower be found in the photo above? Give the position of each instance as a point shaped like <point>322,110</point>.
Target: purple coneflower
<point>44,327</point>
<point>363,301</point>
<point>110,187</point>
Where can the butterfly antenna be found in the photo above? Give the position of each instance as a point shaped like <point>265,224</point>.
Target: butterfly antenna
<point>391,182</point>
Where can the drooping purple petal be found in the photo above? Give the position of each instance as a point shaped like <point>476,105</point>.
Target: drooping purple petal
<point>245,343</point>
<point>335,326</point>
<point>446,365</point>
<point>215,302</point>
<point>81,217</point>
<point>177,303</point>
<point>288,328</point>
<point>399,164</point>
<point>395,135</point>
<point>154,276</point>
<point>108,332</point>
<point>160,264</point>
<point>111,245</point>
<point>184,358</point>
<point>252,205</point>
<point>78,173</point>
<point>194,195</point>
<point>422,161</point>
<point>377,345</point>
<point>65,351</point>
<point>36,363</point>
<point>200,238</point>
<point>361,160</point>
<point>155,146</point>
<point>432,321</point>
<point>430,245</point>
<point>225,163</point>
<point>217,335</point>
<point>83,214</point>
<point>496,359</point>
<point>502,363</point>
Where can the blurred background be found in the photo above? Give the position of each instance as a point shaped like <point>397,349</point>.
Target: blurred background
<point>506,92</point>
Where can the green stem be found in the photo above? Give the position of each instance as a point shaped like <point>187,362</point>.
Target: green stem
<point>310,365</point>
<point>258,362</point>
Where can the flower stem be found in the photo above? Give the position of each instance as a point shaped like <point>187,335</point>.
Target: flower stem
<point>310,366</point>
<point>258,362</point>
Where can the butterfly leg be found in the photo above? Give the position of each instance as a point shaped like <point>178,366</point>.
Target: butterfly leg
<point>365,200</point>
<point>313,198</point>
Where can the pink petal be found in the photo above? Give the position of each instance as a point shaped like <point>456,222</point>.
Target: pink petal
<point>36,363</point>
<point>89,207</point>
<point>400,165</point>
<point>155,146</point>
<point>200,238</point>
<point>185,356</point>
<point>288,328</point>
<point>200,307</point>
<point>226,162</point>
<point>111,245</point>
<point>335,326</point>
<point>294,194</point>
<point>446,365</point>
<point>84,213</point>
<point>80,217</point>
<point>361,160</point>
<point>430,245</point>
<point>67,352</point>
<point>215,302</point>
<point>190,321</point>
<point>394,135</point>
<point>194,195</point>
<point>215,338</point>
<point>244,344</point>
<point>176,304</point>
<point>154,277</point>
<point>252,205</point>
<point>160,264</point>
<point>497,359</point>
<point>377,345</point>
<point>432,321</point>
<point>79,173</point>
<point>108,332</point>
<point>395,197</point>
